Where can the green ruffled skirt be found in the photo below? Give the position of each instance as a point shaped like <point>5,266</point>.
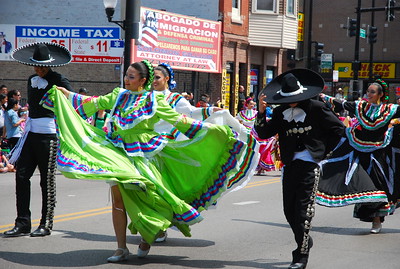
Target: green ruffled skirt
<point>170,188</point>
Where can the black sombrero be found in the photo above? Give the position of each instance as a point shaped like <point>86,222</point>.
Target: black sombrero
<point>42,54</point>
<point>293,86</point>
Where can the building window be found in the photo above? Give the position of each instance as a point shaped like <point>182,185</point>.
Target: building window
<point>265,6</point>
<point>236,15</point>
<point>290,7</point>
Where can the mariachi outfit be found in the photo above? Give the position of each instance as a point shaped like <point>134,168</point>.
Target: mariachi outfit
<point>163,183</point>
<point>363,169</point>
<point>38,145</point>
<point>306,133</point>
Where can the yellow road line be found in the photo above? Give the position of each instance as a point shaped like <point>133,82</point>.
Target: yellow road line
<point>263,181</point>
<point>82,212</point>
<point>65,217</point>
<point>106,210</point>
<point>84,216</point>
<point>261,184</point>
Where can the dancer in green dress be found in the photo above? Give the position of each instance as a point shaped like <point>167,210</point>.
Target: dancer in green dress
<point>157,182</point>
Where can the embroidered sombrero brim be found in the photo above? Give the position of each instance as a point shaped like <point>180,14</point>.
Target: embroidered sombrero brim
<point>311,81</point>
<point>59,55</point>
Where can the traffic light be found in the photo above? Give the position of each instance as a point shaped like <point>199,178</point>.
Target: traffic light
<point>351,27</point>
<point>318,50</point>
<point>372,33</point>
<point>390,10</point>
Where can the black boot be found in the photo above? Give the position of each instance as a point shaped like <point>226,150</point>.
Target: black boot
<point>17,231</point>
<point>41,231</point>
<point>299,259</point>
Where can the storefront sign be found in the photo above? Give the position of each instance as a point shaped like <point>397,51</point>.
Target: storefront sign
<point>300,28</point>
<point>86,44</point>
<point>225,89</point>
<point>385,70</point>
<point>184,42</point>
<point>254,76</point>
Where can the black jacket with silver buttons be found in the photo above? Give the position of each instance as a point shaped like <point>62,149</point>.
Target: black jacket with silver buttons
<point>319,133</point>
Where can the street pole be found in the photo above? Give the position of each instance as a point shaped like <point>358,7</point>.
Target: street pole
<point>309,38</point>
<point>371,46</point>
<point>132,19</point>
<point>356,63</point>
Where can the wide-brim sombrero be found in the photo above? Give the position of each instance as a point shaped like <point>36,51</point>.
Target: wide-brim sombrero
<point>42,54</point>
<point>309,84</point>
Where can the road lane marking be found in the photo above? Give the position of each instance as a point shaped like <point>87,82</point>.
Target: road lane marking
<point>106,210</point>
<point>265,180</point>
<point>262,182</point>
<point>82,212</point>
<point>247,203</point>
<point>66,217</point>
<point>83,216</point>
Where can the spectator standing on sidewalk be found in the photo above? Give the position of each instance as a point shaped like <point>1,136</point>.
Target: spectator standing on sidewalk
<point>13,122</point>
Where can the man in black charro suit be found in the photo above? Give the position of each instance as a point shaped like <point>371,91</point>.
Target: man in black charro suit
<point>38,146</point>
<point>307,131</point>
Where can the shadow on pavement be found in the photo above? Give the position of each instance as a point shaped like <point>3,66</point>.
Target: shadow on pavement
<point>97,257</point>
<point>328,230</point>
<point>135,239</point>
<point>93,257</point>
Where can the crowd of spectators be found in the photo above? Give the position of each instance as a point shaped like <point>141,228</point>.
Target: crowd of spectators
<point>12,122</point>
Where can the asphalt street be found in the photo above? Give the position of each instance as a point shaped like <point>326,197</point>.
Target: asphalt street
<point>246,230</point>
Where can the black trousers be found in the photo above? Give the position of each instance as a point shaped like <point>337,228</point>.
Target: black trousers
<point>13,141</point>
<point>299,186</point>
<point>39,150</point>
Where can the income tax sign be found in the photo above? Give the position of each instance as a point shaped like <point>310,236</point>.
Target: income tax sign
<point>86,44</point>
<point>184,42</point>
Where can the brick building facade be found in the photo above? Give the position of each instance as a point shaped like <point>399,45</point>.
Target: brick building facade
<point>235,53</point>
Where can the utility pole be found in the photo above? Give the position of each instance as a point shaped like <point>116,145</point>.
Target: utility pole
<point>371,46</point>
<point>356,64</point>
<point>132,20</point>
<point>389,9</point>
<point>353,29</point>
<point>309,38</point>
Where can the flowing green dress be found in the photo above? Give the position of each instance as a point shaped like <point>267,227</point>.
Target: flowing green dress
<point>163,183</point>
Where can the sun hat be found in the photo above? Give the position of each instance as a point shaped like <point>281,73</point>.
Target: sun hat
<point>293,86</point>
<point>42,54</point>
